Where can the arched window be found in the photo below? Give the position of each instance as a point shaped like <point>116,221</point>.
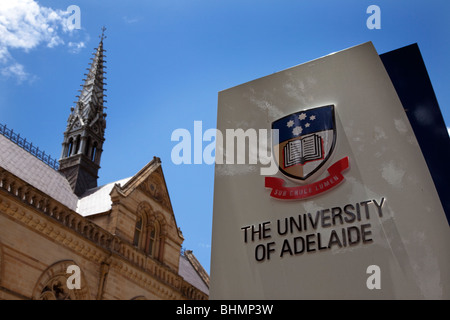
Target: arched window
<point>148,232</point>
<point>70,147</point>
<point>151,247</point>
<point>137,232</point>
<point>94,151</point>
<point>77,143</point>
<point>52,284</point>
<point>87,147</point>
<point>56,289</point>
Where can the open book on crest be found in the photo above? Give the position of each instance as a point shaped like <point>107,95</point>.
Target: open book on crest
<point>300,151</point>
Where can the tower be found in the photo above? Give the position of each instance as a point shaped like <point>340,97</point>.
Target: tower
<point>85,132</point>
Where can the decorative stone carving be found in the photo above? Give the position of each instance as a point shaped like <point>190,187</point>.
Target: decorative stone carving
<point>52,284</point>
<point>56,289</point>
<point>155,188</point>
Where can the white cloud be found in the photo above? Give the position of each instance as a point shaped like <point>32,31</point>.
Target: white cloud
<point>204,245</point>
<point>16,71</point>
<point>24,25</point>
<point>4,55</point>
<point>130,20</point>
<point>76,47</point>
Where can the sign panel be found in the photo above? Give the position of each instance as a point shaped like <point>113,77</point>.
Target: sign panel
<point>339,204</point>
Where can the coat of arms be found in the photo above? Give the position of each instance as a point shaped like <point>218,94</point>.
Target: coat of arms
<point>306,139</point>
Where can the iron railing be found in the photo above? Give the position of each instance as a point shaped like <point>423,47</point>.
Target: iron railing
<point>28,146</point>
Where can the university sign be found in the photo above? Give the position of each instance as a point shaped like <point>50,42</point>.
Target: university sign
<point>348,191</point>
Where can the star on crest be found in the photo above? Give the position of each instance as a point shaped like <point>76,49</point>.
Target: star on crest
<point>297,130</point>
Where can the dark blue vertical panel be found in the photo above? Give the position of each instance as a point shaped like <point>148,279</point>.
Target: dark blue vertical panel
<point>409,76</point>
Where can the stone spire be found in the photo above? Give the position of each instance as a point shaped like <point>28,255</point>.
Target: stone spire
<point>84,135</point>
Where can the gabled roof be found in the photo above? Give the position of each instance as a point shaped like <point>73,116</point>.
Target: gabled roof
<point>30,169</point>
<point>192,271</point>
<point>150,179</point>
<point>97,200</point>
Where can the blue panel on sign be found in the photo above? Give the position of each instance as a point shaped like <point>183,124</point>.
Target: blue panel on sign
<point>409,76</point>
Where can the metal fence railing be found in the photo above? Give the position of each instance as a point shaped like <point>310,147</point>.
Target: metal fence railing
<point>28,146</point>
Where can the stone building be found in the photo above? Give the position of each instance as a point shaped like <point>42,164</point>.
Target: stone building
<point>64,237</point>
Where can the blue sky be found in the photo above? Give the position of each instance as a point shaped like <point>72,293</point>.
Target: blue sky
<point>168,59</point>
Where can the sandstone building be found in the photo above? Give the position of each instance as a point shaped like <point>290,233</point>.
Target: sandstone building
<point>122,237</point>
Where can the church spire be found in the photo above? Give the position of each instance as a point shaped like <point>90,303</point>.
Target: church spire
<point>84,135</point>
<point>91,99</point>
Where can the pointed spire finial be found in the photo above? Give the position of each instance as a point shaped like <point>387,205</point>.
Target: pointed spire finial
<point>103,34</point>
<point>85,133</point>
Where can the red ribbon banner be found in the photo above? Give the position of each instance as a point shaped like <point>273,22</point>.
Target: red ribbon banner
<point>310,190</point>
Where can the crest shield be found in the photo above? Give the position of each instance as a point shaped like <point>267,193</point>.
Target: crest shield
<point>306,140</point>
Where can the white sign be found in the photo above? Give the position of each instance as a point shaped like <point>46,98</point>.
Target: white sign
<point>352,212</point>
